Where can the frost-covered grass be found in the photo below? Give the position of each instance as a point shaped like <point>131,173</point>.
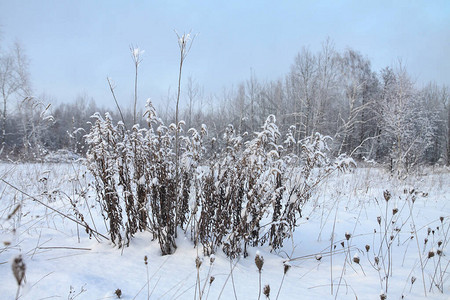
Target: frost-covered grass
<point>337,223</point>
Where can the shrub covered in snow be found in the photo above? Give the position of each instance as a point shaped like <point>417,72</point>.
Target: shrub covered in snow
<point>249,194</point>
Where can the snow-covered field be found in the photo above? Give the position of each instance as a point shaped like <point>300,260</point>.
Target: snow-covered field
<point>346,228</point>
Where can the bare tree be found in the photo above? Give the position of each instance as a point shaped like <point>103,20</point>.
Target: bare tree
<point>240,106</point>
<point>193,92</point>
<point>35,117</point>
<point>356,79</point>
<point>252,89</point>
<point>305,71</point>
<point>14,81</point>
<point>327,85</point>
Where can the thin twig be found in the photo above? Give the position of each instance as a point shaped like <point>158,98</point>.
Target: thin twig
<point>229,274</point>
<point>232,281</point>
<point>418,248</point>
<point>70,248</point>
<point>115,100</point>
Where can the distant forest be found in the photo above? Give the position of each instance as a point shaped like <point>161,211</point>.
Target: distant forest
<point>372,115</point>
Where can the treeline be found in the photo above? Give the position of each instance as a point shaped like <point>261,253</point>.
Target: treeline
<point>381,115</point>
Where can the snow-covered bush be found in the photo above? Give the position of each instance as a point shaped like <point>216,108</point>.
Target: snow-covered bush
<point>102,162</point>
<point>249,194</point>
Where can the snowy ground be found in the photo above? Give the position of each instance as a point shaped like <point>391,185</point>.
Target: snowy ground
<point>62,262</point>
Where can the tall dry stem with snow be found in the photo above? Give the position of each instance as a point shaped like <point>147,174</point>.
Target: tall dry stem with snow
<point>184,43</point>
<point>136,56</point>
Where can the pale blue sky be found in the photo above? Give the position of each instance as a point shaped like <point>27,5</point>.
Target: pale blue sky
<point>74,45</point>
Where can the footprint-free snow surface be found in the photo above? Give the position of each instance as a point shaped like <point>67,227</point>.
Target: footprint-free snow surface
<point>349,244</point>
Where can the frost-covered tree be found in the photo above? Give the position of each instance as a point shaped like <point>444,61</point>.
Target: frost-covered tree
<point>305,72</point>
<point>435,101</point>
<point>406,128</point>
<point>358,84</point>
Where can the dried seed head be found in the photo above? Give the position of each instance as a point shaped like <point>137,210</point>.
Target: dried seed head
<point>383,296</point>
<point>347,236</point>
<point>391,237</point>
<point>259,262</point>
<point>356,258</point>
<point>377,260</point>
<point>441,218</point>
<point>425,240</point>
<point>394,210</point>
<point>439,243</point>
<point>342,244</point>
<point>212,258</point>
<point>318,257</point>
<point>387,195</point>
<point>118,293</point>
<point>428,230</point>
<point>18,269</point>
<point>286,267</point>
<point>439,252</point>
<point>413,199</point>
<point>367,248</point>
<point>146,260</point>
<point>198,262</point>
<point>211,279</point>
<point>266,290</point>
<point>413,279</point>
<point>430,254</point>
<point>379,220</point>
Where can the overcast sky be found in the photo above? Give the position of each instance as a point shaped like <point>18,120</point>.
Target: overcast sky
<point>74,45</point>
